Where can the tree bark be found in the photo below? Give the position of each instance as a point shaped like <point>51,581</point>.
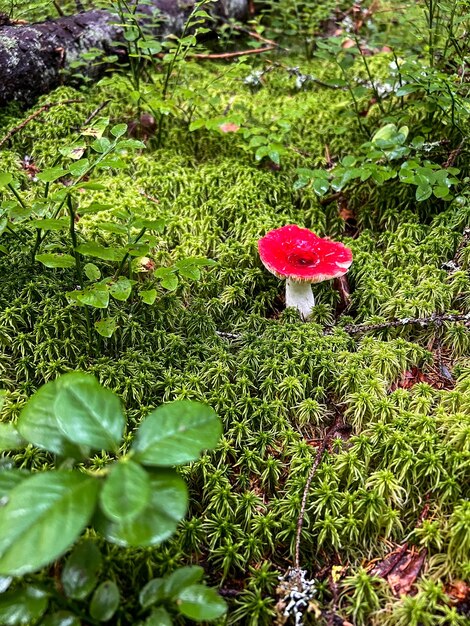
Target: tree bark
<point>35,58</point>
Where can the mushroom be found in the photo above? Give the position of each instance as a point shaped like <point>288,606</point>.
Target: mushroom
<point>302,258</point>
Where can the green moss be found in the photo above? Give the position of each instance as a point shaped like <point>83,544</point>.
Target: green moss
<point>277,384</point>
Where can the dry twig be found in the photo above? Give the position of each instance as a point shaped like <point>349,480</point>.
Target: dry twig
<point>45,107</point>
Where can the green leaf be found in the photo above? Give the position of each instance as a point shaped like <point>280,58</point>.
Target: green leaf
<point>80,573</point>
<point>79,168</point>
<point>182,578</point>
<point>10,479</point>
<point>56,260</point>
<point>5,179</point>
<point>93,186</point>
<point>23,606</point>
<point>51,174</point>
<point>38,424</point>
<point>441,191</point>
<point>176,433</point>
<point>101,252</point>
<point>159,519</point>
<point>130,144</point>
<point>50,224</point>
<point>101,145</point>
<point>119,130</point>
<point>170,282</point>
<point>201,603</point>
<point>106,327</point>
<point>321,186</point>
<point>10,438</point>
<point>105,601</point>
<point>126,492</point>
<point>423,192</point>
<point>152,593</point>
<point>43,517</point>
<point>158,617</point>
<point>92,271</point>
<point>88,414</point>
<point>149,296</point>
<point>96,296</point>
<point>121,290</point>
<point>61,618</point>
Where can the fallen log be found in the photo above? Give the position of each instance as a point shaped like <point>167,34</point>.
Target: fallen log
<point>36,58</point>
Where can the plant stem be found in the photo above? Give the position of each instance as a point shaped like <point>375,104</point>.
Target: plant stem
<point>127,255</point>
<point>73,236</point>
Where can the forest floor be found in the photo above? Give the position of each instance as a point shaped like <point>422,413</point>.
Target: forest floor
<point>244,147</point>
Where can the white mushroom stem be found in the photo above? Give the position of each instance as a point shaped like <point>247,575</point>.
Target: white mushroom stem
<point>300,296</point>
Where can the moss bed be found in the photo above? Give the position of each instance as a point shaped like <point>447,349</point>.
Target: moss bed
<point>399,471</point>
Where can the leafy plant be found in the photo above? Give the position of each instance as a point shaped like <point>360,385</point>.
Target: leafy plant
<point>138,500</point>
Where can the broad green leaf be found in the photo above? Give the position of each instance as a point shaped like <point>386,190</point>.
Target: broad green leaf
<point>101,252</point>
<point>23,606</point>
<point>79,168</point>
<point>106,327</point>
<point>51,224</point>
<point>186,269</point>
<point>5,582</point>
<point>61,618</point>
<point>3,225</point>
<point>441,191</point>
<point>5,179</point>
<point>105,601</point>
<point>19,213</point>
<point>38,425</point>
<point>182,578</point>
<point>73,152</point>
<point>321,186</point>
<point>152,593</point>
<point>92,271</point>
<point>126,491</point>
<point>176,433</point>
<point>201,603</point>
<point>10,438</point>
<point>51,174</point>
<point>56,260</point>
<point>158,617</point>
<point>11,478</point>
<point>149,296</point>
<point>96,296</point>
<point>423,192</point>
<point>130,144</point>
<point>101,145</point>
<point>169,282</point>
<point>80,573</point>
<point>43,517</point>
<point>112,227</point>
<point>88,414</point>
<point>159,519</point>
<point>119,130</point>
<point>121,289</point>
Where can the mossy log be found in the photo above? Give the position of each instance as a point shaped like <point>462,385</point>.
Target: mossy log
<point>35,58</point>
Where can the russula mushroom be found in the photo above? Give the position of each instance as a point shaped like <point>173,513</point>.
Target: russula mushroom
<point>302,258</point>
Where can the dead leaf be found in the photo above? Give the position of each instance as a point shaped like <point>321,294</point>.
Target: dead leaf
<point>401,568</point>
<point>458,591</point>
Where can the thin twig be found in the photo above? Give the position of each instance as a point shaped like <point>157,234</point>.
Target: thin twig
<point>318,459</point>
<point>45,107</point>
<point>151,198</point>
<point>231,55</point>
<point>435,318</point>
<point>95,112</point>
<point>259,37</point>
<point>454,154</point>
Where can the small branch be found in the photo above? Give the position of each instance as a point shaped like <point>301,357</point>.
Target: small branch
<point>454,154</point>
<point>25,122</point>
<point>231,55</point>
<point>258,37</point>
<point>232,336</point>
<point>336,426</point>
<point>435,318</point>
<point>96,111</point>
<point>151,198</point>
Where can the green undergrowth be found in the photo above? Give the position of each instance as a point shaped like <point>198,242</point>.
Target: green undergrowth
<point>277,383</point>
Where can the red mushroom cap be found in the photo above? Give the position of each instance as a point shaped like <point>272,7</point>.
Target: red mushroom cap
<point>301,255</point>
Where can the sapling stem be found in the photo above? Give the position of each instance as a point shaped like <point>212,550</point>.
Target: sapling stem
<point>299,295</point>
